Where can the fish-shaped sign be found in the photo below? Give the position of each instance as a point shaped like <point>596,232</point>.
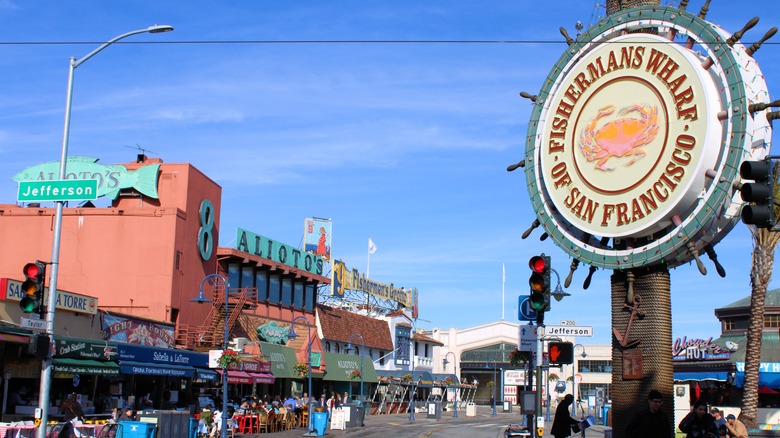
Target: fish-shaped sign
<point>111,179</point>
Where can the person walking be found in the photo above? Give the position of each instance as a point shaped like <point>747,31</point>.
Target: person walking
<point>650,422</point>
<point>562,422</point>
<point>698,423</point>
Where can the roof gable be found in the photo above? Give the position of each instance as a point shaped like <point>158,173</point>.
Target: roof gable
<point>339,325</point>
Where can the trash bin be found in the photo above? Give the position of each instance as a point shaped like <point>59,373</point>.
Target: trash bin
<point>137,429</point>
<point>507,406</point>
<point>471,410</point>
<point>319,422</point>
<point>359,413</point>
<point>434,410</point>
<point>193,428</point>
<point>605,414</point>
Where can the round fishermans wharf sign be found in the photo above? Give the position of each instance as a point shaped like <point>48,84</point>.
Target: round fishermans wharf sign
<point>635,139</point>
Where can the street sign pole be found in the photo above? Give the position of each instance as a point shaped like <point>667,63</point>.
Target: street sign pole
<point>539,350</point>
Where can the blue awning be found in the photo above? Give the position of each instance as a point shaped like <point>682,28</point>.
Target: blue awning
<point>770,380</point>
<point>682,376</point>
<point>154,369</point>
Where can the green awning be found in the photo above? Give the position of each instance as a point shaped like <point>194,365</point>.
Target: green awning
<point>282,360</point>
<point>84,366</point>
<point>340,366</point>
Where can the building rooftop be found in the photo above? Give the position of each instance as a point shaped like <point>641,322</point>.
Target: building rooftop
<point>338,325</point>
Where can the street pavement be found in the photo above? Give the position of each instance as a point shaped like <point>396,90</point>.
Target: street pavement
<point>483,424</point>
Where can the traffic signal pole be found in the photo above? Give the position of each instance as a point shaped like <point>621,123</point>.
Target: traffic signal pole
<point>539,425</point>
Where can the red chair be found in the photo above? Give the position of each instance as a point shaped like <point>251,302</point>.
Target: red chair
<point>247,423</point>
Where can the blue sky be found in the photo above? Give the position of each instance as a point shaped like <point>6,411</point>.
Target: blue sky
<point>404,142</point>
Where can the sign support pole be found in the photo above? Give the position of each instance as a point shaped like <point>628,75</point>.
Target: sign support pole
<point>539,351</point>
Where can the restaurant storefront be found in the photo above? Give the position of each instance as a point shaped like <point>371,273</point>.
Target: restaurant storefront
<point>343,374</point>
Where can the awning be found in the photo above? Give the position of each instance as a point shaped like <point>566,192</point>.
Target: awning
<point>768,375</point>
<point>282,359</point>
<point>682,376</point>
<point>423,379</point>
<point>262,378</point>
<point>207,375</point>
<point>84,366</point>
<point>153,369</point>
<point>339,368</point>
<point>236,377</point>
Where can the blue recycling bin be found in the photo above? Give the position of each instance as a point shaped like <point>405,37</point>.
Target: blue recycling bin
<point>137,429</point>
<point>319,421</point>
<point>193,428</point>
<point>605,414</point>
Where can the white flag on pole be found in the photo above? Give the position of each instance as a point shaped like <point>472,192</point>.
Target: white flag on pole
<point>503,270</point>
<point>371,246</point>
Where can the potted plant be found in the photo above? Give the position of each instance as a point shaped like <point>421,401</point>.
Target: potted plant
<point>301,369</point>
<point>354,374</point>
<point>491,384</point>
<point>516,357</point>
<point>227,358</point>
<point>449,381</point>
<point>406,378</point>
<point>553,377</point>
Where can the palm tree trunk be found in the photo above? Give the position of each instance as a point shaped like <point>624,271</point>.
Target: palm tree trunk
<point>760,274</point>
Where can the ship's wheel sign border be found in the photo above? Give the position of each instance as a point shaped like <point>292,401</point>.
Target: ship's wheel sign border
<point>705,137</point>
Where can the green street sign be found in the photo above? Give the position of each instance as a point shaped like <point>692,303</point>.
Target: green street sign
<point>57,190</point>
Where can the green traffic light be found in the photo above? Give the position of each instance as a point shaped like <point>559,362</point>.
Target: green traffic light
<point>28,304</point>
<point>536,300</point>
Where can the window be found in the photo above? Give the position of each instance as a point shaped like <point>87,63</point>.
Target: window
<point>737,324</point>
<point>357,350</point>
<point>310,296</point>
<point>771,321</point>
<point>337,347</point>
<point>247,277</point>
<point>261,283</point>
<point>381,357</point>
<point>298,294</point>
<point>287,290</point>
<point>426,350</point>
<point>594,366</point>
<point>274,289</point>
<point>327,346</point>
<point>234,273</point>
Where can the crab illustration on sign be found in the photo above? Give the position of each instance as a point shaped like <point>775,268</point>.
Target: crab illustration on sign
<point>621,137</point>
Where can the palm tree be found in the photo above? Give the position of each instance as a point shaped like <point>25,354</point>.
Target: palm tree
<point>764,244</point>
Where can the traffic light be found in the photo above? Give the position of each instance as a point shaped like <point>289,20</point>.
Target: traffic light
<point>759,193</point>
<point>32,287</point>
<point>560,353</point>
<point>540,285</point>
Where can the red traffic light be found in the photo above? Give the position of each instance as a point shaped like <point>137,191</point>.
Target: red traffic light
<point>31,270</point>
<point>538,264</point>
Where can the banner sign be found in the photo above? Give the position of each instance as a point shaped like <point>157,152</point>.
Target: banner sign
<point>317,237</point>
<point>685,349</point>
<point>261,246</point>
<point>344,279</point>
<point>163,356</point>
<point>110,179</point>
<point>11,290</point>
<point>84,349</point>
<point>137,331</point>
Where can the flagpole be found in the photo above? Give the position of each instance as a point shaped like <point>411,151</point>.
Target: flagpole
<point>503,282</point>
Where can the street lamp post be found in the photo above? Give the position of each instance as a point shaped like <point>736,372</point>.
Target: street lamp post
<point>574,378</point>
<point>494,387</point>
<point>362,359</point>
<point>46,366</point>
<point>454,369</point>
<point>214,280</point>
<point>412,354</point>
<point>292,335</point>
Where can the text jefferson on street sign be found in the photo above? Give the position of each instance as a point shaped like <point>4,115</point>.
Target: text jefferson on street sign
<point>567,330</point>
<point>57,190</point>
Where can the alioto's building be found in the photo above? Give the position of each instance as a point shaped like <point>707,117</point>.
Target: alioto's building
<point>129,278</point>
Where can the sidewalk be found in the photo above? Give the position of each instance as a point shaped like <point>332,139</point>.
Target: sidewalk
<point>484,416</point>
